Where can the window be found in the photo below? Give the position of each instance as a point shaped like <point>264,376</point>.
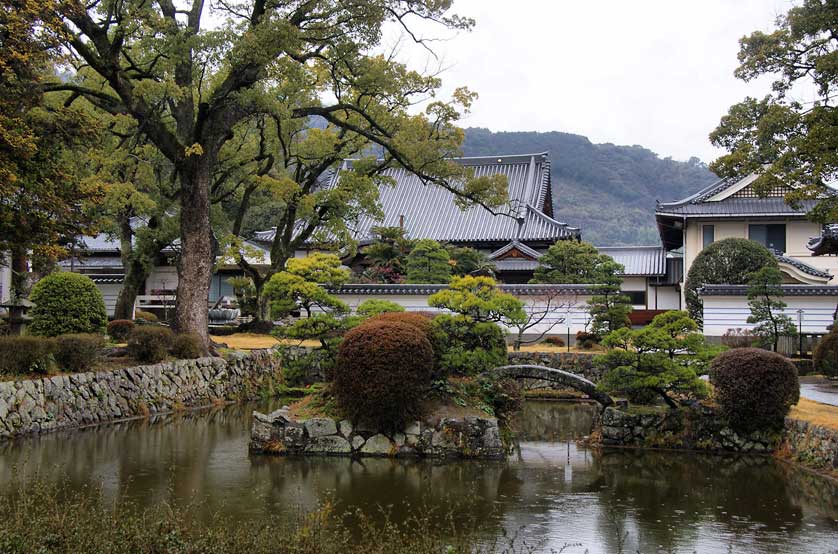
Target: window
<point>708,235</point>
<point>771,236</point>
<point>638,297</point>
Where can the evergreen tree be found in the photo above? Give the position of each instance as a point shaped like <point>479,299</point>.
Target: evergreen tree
<point>765,301</point>
<point>428,262</point>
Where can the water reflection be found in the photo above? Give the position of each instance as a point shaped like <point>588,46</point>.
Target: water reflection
<point>555,491</point>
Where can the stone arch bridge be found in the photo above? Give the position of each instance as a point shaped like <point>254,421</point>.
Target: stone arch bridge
<point>531,371</point>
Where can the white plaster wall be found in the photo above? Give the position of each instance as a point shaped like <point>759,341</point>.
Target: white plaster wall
<point>668,298</point>
<point>798,233</point>
<point>575,316</point>
<point>730,312</point>
<point>110,292</point>
<point>162,277</point>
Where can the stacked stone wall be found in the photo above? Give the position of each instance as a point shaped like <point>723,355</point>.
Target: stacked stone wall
<point>81,399</point>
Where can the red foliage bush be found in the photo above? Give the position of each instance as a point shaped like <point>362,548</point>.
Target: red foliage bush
<point>586,340</point>
<point>825,358</point>
<point>555,340</point>
<point>382,374</point>
<point>754,388</point>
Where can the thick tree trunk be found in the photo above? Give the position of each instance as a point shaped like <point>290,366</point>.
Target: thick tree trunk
<point>196,257</point>
<point>134,278</point>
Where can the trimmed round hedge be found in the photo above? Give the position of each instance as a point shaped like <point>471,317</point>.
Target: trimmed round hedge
<point>150,343</point>
<point>825,357</point>
<point>755,388</point>
<point>120,329</point>
<point>78,351</point>
<point>382,374</point>
<point>728,261</point>
<point>67,303</point>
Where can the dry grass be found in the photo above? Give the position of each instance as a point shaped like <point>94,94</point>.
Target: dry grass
<point>547,347</point>
<point>816,413</point>
<point>247,341</point>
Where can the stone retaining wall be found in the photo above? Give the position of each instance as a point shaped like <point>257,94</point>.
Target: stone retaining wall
<point>81,399</point>
<point>812,445</point>
<point>701,429</point>
<point>580,364</point>
<point>469,437</point>
<point>694,429</point>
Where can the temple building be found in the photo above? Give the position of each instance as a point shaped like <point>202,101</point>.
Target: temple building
<point>806,251</point>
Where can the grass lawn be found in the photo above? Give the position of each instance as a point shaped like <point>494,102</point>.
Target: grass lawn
<point>816,413</point>
<point>547,347</point>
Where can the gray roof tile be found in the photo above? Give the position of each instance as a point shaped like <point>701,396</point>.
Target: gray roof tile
<point>638,260</point>
<point>429,212</point>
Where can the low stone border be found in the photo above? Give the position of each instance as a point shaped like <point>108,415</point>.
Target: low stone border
<point>469,437</point>
<point>77,400</point>
<point>689,428</point>
<point>812,445</point>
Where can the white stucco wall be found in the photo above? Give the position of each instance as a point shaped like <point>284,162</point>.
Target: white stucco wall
<point>730,312</point>
<point>575,316</point>
<point>5,278</point>
<point>798,233</point>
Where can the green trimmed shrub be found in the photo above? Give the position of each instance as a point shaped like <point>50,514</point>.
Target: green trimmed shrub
<point>78,351</point>
<point>467,347</point>
<point>754,388</point>
<point>67,303</point>
<point>382,374</point>
<point>728,261</point>
<point>150,343</point>
<point>26,354</point>
<point>120,329</point>
<point>187,346</point>
<point>374,307</point>
<point>141,316</point>
<point>825,357</point>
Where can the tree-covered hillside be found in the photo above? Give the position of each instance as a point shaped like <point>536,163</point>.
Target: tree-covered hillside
<point>607,190</point>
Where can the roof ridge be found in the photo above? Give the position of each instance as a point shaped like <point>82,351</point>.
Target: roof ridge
<point>801,265</point>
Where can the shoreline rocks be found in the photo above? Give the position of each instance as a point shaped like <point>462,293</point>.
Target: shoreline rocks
<point>279,434</point>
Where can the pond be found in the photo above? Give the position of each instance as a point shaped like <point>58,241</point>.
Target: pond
<point>551,491</point>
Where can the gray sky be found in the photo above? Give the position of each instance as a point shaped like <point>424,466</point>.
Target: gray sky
<point>654,73</point>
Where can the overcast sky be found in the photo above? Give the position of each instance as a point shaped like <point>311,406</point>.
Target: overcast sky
<point>654,73</point>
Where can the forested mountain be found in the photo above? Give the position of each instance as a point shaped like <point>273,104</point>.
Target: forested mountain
<point>607,190</point>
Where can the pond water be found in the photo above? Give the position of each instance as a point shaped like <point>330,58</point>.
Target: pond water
<point>551,491</point>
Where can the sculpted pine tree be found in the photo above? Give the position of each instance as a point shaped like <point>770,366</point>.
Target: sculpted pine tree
<point>767,307</point>
<point>193,76</point>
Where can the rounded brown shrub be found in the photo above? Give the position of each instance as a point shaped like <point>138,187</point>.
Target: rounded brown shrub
<point>754,388</point>
<point>188,346</point>
<point>419,320</point>
<point>825,358</point>
<point>78,352</point>
<point>555,340</point>
<point>382,373</point>
<point>141,316</point>
<point>150,343</point>
<point>27,354</point>
<point>120,329</point>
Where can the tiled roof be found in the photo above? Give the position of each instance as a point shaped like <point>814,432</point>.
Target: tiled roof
<point>755,207</point>
<point>523,248</point>
<point>788,290</point>
<point>638,260</point>
<point>802,266</point>
<point>409,289</point>
<point>429,212</point>
<point>826,243</point>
